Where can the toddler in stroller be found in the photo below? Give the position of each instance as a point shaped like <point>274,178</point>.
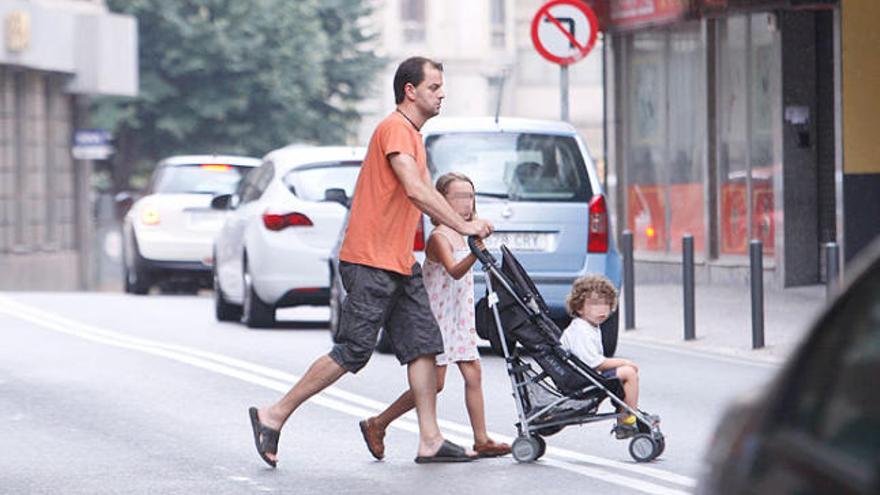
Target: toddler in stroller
<point>590,303</point>
<point>564,390</point>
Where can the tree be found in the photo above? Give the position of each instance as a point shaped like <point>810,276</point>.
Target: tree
<point>227,76</point>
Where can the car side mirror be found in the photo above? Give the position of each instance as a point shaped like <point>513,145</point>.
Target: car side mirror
<point>338,195</point>
<point>222,202</point>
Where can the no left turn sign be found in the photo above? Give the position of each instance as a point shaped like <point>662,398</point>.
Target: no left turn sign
<point>564,31</point>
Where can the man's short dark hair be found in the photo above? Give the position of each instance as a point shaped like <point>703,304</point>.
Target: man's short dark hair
<point>412,71</point>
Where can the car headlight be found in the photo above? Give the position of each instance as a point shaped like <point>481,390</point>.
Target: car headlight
<point>150,216</point>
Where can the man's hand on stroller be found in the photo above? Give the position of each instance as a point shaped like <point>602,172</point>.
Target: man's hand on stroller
<point>480,228</point>
<point>479,243</point>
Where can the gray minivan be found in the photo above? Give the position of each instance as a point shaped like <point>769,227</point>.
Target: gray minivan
<point>535,181</point>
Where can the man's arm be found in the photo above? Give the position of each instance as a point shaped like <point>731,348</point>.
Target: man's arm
<point>426,198</point>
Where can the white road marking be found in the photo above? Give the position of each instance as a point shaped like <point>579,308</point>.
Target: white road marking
<point>334,398</point>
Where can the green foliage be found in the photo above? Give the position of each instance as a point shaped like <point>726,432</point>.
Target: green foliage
<point>234,76</point>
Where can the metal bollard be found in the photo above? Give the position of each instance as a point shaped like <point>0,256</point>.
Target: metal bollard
<point>687,270</point>
<point>756,258</point>
<point>629,303</point>
<point>832,269</point>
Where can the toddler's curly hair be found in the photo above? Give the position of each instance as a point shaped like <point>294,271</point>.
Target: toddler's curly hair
<point>587,285</point>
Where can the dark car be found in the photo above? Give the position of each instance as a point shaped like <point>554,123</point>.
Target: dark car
<point>816,428</point>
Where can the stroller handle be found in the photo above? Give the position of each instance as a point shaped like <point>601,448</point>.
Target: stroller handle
<point>483,255</point>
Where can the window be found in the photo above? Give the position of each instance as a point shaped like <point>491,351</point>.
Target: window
<point>748,100</point>
<point>666,132</point>
<point>498,19</point>
<point>311,182</point>
<point>412,17</point>
<point>527,167</point>
<point>256,182</point>
<point>198,179</point>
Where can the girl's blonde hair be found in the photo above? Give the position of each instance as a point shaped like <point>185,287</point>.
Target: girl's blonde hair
<point>442,186</point>
<point>585,287</point>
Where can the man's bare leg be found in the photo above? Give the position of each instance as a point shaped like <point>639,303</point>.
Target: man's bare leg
<point>320,375</point>
<point>422,373</point>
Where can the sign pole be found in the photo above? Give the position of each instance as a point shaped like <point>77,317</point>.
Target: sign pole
<point>564,32</point>
<point>563,92</point>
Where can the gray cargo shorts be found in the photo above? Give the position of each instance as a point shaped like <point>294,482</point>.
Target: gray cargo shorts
<point>383,299</point>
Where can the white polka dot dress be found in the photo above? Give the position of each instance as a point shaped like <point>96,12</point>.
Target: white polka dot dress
<point>452,302</point>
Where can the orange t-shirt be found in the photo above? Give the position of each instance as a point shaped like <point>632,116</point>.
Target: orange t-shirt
<point>383,220</point>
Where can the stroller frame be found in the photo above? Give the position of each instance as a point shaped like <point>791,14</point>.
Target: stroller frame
<point>530,445</point>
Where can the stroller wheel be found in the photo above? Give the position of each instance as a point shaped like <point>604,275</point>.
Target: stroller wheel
<point>643,448</point>
<point>526,449</point>
<point>661,446</point>
<point>542,447</point>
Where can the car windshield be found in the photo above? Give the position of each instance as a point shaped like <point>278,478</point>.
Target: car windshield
<point>312,181</point>
<point>516,166</point>
<point>199,178</point>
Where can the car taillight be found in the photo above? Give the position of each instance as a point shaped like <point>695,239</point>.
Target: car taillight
<point>598,229</point>
<point>276,222</point>
<point>419,240</point>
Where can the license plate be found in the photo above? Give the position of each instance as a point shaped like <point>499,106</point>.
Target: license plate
<point>522,241</point>
<point>205,219</point>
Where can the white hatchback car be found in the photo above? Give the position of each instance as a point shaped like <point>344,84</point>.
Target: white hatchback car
<point>167,233</point>
<point>283,220</point>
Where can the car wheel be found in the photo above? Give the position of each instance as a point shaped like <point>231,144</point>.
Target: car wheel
<point>223,310</point>
<point>609,334</point>
<point>383,346</point>
<point>335,306</point>
<point>135,278</point>
<point>255,313</point>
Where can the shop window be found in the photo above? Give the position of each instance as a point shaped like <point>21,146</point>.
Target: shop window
<point>748,89</point>
<point>666,133</point>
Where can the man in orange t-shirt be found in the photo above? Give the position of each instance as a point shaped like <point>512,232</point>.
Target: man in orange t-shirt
<point>379,272</point>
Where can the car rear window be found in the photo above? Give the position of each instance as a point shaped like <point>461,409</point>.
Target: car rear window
<point>515,166</point>
<point>199,178</point>
<point>311,181</point>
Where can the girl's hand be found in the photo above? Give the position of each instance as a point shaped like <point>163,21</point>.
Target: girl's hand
<point>479,243</point>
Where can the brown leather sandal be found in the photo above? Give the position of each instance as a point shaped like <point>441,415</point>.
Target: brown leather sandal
<point>491,449</point>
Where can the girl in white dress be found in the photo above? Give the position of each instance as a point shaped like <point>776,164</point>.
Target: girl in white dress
<point>449,282</point>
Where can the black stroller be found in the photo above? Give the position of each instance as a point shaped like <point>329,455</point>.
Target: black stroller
<point>514,318</point>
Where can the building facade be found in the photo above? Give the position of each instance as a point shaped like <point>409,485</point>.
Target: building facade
<point>486,50</point>
<point>55,54</point>
<point>741,120</point>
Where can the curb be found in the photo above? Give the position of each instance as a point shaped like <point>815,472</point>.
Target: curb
<point>761,356</point>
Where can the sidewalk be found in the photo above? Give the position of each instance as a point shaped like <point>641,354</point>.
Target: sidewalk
<point>723,319</point>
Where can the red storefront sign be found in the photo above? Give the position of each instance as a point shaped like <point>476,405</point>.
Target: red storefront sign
<point>633,14</point>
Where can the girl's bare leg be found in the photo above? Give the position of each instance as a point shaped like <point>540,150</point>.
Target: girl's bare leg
<point>405,403</point>
<point>473,397</point>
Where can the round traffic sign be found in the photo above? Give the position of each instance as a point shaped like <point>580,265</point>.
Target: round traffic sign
<point>564,31</point>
